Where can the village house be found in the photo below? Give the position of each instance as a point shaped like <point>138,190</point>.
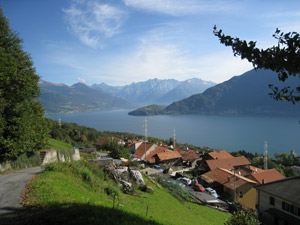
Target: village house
<point>215,155</point>
<point>223,154</point>
<point>241,188</point>
<point>266,176</point>
<point>168,158</point>
<point>279,202</point>
<point>100,143</point>
<point>229,163</point>
<point>142,149</point>
<point>189,156</point>
<point>151,155</point>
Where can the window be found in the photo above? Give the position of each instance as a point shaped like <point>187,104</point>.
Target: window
<point>241,194</point>
<point>272,201</point>
<point>285,206</point>
<point>291,208</point>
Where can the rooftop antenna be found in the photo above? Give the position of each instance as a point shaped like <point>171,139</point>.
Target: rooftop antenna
<point>145,133</point>
<point>266,156</point>
<point>59,123</point>
<point>174,137</point>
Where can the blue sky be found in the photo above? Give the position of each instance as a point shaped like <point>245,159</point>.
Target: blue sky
<point>125,41</point>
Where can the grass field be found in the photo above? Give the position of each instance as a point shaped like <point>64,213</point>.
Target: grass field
<point>56,144</point>
<point>78,193</point>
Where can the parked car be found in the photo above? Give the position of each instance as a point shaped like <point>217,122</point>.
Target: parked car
<point>212,192</point>
<point>158,168</point>
<point>198,187</point>
<point>184,180</point>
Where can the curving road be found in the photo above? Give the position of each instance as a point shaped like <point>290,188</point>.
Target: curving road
<point>12,185</point>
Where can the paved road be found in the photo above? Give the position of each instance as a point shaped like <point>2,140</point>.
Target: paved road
<point>11,186</point>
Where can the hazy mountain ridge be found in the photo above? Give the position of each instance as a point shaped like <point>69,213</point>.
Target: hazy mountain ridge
<point>156,91</point>
<point>186,89</point>
<point>247,94</point>
<point>60,98</point>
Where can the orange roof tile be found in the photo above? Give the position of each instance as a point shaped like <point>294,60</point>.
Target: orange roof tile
<point>226,178</point>
<point>166,155</point>
<point>150,157</point>
<point>102,141</point>
<point>267,176</point>
<point>223,154</point>
<point>189,154</point>
<point>140,151</point>
<point>228,163</point>
<point>255,169</point>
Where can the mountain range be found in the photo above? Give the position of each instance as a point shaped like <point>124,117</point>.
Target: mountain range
<point>61,98</point>
<point>247,94</point>
<point>156,91</point>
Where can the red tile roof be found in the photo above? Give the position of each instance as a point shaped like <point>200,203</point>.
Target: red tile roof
<point>227,163</point>
<point>158,149</point>
<point>189,154</point>
<point>267,176</point>
<point>140,151</point>
<point>255,169</point>
<point>223,154</point>
<point>102,141</point>
<point>226,178</point>
<point>167,155</point>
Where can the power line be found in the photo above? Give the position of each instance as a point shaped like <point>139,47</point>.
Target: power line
<point>146,134</point>
<point>174,137</point>
<point>266,155</point>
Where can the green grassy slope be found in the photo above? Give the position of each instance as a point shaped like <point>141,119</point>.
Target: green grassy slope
<point>57,144</point>
<point>75,192</point>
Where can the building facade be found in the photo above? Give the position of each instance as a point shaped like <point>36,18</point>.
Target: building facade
<point>278,202</point>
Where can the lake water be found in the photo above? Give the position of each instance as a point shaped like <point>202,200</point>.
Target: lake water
<point>232,133</point>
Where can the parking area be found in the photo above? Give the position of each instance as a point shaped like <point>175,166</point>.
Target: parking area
<point>201,197</point>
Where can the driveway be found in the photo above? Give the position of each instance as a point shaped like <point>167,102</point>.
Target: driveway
<point>12,185</point>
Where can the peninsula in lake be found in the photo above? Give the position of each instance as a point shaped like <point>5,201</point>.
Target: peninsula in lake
<point>61,98</point>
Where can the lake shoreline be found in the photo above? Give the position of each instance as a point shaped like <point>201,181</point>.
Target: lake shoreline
<point>232,133</point>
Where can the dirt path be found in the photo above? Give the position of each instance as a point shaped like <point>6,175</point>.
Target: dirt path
<point>11,186</point>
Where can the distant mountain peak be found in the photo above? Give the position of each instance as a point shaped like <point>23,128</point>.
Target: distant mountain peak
<point>79,84</point>
<point>43,82</point>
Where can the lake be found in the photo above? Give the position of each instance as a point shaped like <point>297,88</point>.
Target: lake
<point>232,133</point>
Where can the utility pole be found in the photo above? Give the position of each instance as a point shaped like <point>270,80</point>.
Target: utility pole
<point>174,137</point>
<point>145,133</point>
<point>234,185</point>
<point>266,156</point>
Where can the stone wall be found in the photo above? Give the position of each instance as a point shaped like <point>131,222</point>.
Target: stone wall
<point>52,156</point>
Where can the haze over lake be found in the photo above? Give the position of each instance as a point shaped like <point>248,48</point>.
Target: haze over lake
<point>232,133</point>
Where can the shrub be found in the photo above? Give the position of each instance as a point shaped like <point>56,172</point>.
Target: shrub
<point>85,174</point>
<point>55,167</point>
<point>26,160</point>
<point>242,217</point>
<point>112,191</point>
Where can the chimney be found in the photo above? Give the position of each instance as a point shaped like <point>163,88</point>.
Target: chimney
<point>263,181</point>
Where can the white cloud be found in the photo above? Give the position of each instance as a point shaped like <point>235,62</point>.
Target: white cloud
<point>81,80</point>
<point>172,62</point>
<point>180,7</point>
<point>93,21</point>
